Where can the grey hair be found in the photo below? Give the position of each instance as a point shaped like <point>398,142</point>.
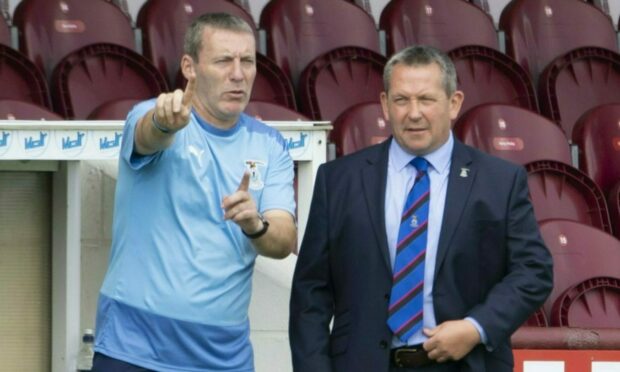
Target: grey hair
<point>423,55</point>
<point>220,21</point>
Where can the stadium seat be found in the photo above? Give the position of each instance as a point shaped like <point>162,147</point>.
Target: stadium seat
<point>487,76</point>
<point>51,29</point>
<point>270,85</point>
<point>538,31</point>
<point>269,111</point>
<point>340,79</point>
<point>298,31</point>
<point>444,24</point>
<point>593,303</point>
<point>597,135</point>
<point>163,24</point>
<point>95,75</point>
<point>21,79</point>
<point>113,110</point>
<point>358,127</point>
<point>512,133</point>
<point>20,110</point>
<point>580,252</point>
<point>577,82</point>
<point>559,191</point>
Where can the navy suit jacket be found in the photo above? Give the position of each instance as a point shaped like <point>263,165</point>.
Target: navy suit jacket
<point>491,264</point>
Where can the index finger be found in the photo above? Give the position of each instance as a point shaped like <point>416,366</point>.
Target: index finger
<point>188,94</point>
<point>245,182</point>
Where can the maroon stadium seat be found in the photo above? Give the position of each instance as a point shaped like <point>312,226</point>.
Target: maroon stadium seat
<point>580,252</point>
<point>51,29</point>
<point>559,191</point>
<point>21,80</point>
<point>577,82</point>
<point>593,303</point>
<point>269,111</point>
<point>358,127</point>
<point>538,31</point>
<point>444,24</point>
<point>300,31</point>
<point>95,75</point>
<point>513,133</point>
<point>340,79</point>
<point>163,24</point>
<point>597,134</point>
<point>270,85</point>
<point>20,110</point>
<point>113,110</point>
<point>487,76</point>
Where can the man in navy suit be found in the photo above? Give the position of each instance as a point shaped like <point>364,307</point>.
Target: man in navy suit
<point>485,267</point>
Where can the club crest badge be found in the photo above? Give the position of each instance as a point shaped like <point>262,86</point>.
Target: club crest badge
<point>256,178</point>
<point>414,221</point>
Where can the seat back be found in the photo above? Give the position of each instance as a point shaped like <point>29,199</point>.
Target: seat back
<point>300,31</point>
<point>538,31</point>
<point>513,133</point>
<point>164,22</point>
<point>580,252</point>
<point>269,111</point>
<point>559,191</point>
<point>597,135</point>
<point>577,82</point>
<point>444,24</point>
<point>488,76</point>
<point>20,79</point>
<point>21,110</point>
<point>51,29</point>
<point>359,126</point>
<point>593,303</point>
<point>95,75</point>
<point>333,81</point>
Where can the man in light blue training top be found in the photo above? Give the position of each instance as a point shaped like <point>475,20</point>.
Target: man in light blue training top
<point>202,189</point>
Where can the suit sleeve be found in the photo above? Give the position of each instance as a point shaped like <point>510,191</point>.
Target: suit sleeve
<point>311,306</point>
<point>529,277</point>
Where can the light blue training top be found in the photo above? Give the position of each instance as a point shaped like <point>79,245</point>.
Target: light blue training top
<point>177,290</point>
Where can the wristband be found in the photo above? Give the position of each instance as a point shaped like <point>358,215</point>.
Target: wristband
<point>158,126</point>
<point>260,232</point>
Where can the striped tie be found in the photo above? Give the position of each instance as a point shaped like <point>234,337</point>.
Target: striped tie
<point>406,299</point>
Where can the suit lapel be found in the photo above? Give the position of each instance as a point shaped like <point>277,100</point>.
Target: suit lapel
<point>460,180</point>
<point>374,180</point>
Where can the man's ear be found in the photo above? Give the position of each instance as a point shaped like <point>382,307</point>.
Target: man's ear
<point>456,102</point>
<point>187,66</point>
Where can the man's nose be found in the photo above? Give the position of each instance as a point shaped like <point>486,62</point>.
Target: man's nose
<point>237,71</point>
<point>414,110</point>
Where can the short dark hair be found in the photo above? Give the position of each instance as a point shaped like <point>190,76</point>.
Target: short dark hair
<point>423,55</point>
<point>220,21</point>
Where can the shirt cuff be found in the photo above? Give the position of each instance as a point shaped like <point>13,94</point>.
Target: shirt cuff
<point>483,335</point>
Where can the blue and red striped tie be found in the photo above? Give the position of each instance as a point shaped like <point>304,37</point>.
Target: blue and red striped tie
<point>406,299</point>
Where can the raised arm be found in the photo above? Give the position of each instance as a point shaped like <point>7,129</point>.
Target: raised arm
<point>155,130</point>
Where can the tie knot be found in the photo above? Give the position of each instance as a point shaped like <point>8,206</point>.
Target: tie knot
<point>420,164</point>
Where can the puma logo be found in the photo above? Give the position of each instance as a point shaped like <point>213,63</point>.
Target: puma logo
<point>197,153</point>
